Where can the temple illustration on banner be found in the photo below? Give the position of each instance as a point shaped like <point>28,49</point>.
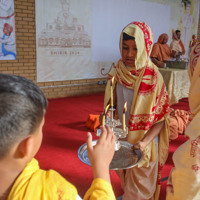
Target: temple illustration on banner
<point>64,31</point>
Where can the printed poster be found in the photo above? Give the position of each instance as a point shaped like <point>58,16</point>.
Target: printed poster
<point>64,40</point>
<point>7,30</point>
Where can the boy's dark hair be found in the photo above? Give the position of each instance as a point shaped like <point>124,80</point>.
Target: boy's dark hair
<point>127,37</point>
<point>22,107</point>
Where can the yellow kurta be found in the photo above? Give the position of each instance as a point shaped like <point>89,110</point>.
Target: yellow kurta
<point>34,183</point>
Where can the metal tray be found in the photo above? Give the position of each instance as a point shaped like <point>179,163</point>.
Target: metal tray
<point>124,158</point>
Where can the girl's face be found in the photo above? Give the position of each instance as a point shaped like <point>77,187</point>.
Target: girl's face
<point>129,52</point>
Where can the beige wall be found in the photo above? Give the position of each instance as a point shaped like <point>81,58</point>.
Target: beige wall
<point>25,65</point>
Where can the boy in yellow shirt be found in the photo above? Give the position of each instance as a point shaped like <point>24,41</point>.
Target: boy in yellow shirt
<point>22,110</point>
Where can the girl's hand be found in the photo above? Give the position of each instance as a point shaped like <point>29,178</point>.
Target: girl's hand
<point>140,145</point>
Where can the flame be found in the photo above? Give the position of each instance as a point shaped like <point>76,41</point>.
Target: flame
<point>112,80</point>
<point>107,108</point>
<point>125,106</point>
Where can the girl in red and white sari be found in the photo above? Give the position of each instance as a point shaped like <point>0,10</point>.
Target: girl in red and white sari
<point>138,81</point>
<point>184,180</point>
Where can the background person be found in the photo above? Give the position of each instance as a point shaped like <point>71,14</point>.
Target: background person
<point>161,51</point>
<point>177,45</point>
<point>22,109</point>
<point>192,43</point>
<point>138,81</point>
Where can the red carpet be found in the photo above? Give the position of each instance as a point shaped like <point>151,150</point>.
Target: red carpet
<point>65,131</point>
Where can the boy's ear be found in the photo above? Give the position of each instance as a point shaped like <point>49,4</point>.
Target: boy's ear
<point>24,148</point>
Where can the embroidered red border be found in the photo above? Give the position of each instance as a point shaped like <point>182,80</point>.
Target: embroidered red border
<point>146,33</point>
<point>145,88</point>
<point>145,121</point>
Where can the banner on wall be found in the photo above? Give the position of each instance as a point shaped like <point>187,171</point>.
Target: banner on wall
<point>77,39</point>
<point>7,30</point>
<point>63,30</point>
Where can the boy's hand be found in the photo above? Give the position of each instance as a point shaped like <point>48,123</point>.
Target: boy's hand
<point>102,153</point>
